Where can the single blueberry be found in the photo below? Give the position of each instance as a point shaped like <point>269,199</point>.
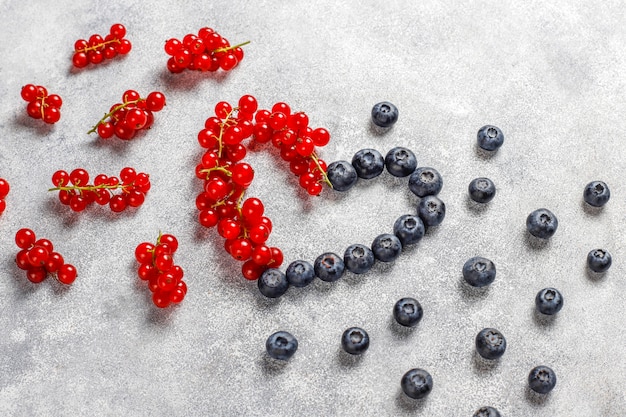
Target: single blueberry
<point>355,340</point>
<point>368,163</point>
<point>549,301</point>
<point>384,114</point>
<point>482,190</point>
<point>408,312</point>
<point>541,379</point>
<point>386,247</point>
<point>479,271</point>
<point>431,210</point>
<point>400,162</point>
<point>300,273</point>
<point>542,223</point>
<point>273,283</point>
<point>358,258</point>
<point>596,193</point>
<point>281,345</point>
<point>490,138</point>
<point>409,229</point>
<point>425,181</point>
<point>328,267</point>
<point>341,175</point>
<point>490,343</point>
<point>599,260</point>
<point>417,383</point>
<point>487,412</point>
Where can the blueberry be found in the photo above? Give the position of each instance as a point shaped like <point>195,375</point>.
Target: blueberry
<point>599,260</point>
<point>542,223</point>
<point>596,193</point>
<point>384,114</point>
<point>431,210</point>
<point>273,283</point>
<point>281,345</point>
<point>368,163</point>
<point>341,175</point>
<point>328,267</point>
<point>386,247</point>
<point>358,258</point>
<point>479,271</point>
<point>408,312</point>
<point>400,162</point>
<point>549,301</point>
<point>490,138</point>
<point>417,383</point>
<point>425,181</point>
<point>490,343</point>
<point>355,340</point>
<point>482,190</point>
<point>541,379</point>
<point>487,412</point>
<point>409,229</point>
<point>300,273</point>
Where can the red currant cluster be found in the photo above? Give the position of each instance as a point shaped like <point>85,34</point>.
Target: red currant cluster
<point>97,48</point>
<point>165,279</point>
<point>38,259</point>
<point>132,114</point>
<point>76,192</point>
<point>207,51</point>
<point>4,191</point>
<point>40,104</point>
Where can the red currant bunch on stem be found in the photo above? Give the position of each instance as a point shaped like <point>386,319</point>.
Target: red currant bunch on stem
<point>96,49</point>
<point>40,104</point>
<point>4,191</point>
<point>38,258</point>
<point>156,265</point>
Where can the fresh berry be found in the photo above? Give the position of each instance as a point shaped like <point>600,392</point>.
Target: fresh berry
<point>386,247</point>
<point>490,138</point>
<point>342,175</point>
<point>431,210</point>
<point>4,190</point>
<point>97,49</point>
<point>368,163</point>
<point>281,345</point>
<point>541,379</point>
<point>400,162</point>
<point>599,260</point>
<point>329,267</point>
<point>38,259</point>
<point>408,312</point>
<point>490,344</point>
<point>482,190</point>
<point>425,181</point>
<point>384,114</point>
<point>542,223</point>
<point>358,258</point>
<point>479,271</point>
<point>409,229</point>
<point>549,301</point>
<point>417,383</point>
<point>355,340</point>
<point>596,193</point>
<point>41,105</point>
<point>300,273</point>
<point>487,412</point>
<point>273,283</point>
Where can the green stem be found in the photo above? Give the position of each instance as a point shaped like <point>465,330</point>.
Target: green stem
<point>88,187</point>
<point>230,48</point>
<point>315,159</point>
<point>115,109</point>
<point>98,46</point>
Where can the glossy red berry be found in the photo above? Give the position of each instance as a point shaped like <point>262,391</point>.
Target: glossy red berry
<point>66,274</point>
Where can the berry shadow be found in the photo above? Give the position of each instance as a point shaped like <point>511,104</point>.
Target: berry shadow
<point>72,70</point>
<point>159,316</point>
<point>24,287</point>
<point>482,366</point>
<point>595,277</point>
<point>482,154</point>
<point>536,399</point>
<point>188,80</point>
<point>119,146</point>
<point>271,366</point>
<point>377,130</point>
<point>346,360</point>
<point>535,243</point>
<point>41,128</point>
<point>398,331</point>
<point>543,320</point>
<point>474,207</point>
<point>58,289</point>
<point>590,210</point>
<point>471,294</point>
<point>409,405</point>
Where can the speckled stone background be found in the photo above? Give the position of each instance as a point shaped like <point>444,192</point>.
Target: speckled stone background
<point>550,75</point>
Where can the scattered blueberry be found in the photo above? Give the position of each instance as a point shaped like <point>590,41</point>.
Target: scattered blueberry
<point>542,223</point>
<point>479,271</point>
<point>281,345</point>
<point>409,229</point>
<point>490,138</point>
<point>599,260</point>
<point>386,247</point>
<point>487,412</point>
<point>368,163</point>
<point>425,181</point>
<point>384,114</point>
<point>431,210</point>
<point>482,190</point>
<point>328,267</point>
<point>341,175</point>
<point>549,301</point>
<point>408,312</point>
<point>490,343</point>
<point>273,283</point>
<point>358,258</point>
<point>596,193</point>
<point>355,340</point>
<point>541,379</point>
<point>400,162</point>
<point>417,383</point>
<point>300,273</point>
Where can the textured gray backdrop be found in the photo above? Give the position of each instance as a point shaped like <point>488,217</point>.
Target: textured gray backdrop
<point>551,76</point>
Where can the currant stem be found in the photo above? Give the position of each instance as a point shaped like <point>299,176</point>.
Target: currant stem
<point>220,169</point>
<point>98,46</point>
<point>315,159</point>
<point>230,48</point>
<point>89,187</point>
<point>115,109</point>
<point>43,105</point>
<point>219,139</point>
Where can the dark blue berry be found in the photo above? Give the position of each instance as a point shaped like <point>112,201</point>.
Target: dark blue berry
<point>328,267</point>
<point>400,162</point>
<point>358,258</point>
<point>417,383</point>
<point>431,210</point>
<point>368,163</point>
<point>482,190</point>
<point>408,311</point>
<point>384,114</point>
<point>386,247</point>
<point>487,412</point>
<point>281,345</point>
<point>542,223</point>
<point>549,301</point>
<point>300,273</point>
<point>409,229</point>
<point>541,379</point>
<point>341,175</point>
<point>425,181</point>
<point>599,260</point>
<point>479,271</point>
<point>273,283</point>
<point>490,138</point>
<point>596,193</point>
<point>355,340</point>
<point>490,343</point>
